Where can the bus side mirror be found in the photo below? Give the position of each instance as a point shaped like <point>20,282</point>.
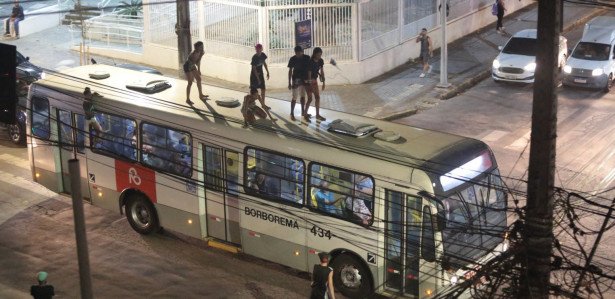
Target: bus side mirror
<point>428,241</point>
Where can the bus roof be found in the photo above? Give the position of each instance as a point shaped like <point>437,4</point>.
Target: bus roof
<point>417,144</point>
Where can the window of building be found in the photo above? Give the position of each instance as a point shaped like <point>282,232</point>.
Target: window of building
<point>274,176</point>
<point>117,137</point>
<point>166,149</point>
<point>41,126</point>
<point>342,193</point>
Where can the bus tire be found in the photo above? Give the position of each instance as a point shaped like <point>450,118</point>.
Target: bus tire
<point>141,214</point>
<point>351,277</point>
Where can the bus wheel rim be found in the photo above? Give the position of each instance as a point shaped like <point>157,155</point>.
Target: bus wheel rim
<point>140,214</point>
<point>350,277</point>
<point>14,132</point>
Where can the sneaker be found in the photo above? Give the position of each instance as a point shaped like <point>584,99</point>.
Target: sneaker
<point>422,75</point>
<point>320,118</point>
<point>292,117</point>
<point>429,70</point>
<point>7,34</point>
<point>306,118</point>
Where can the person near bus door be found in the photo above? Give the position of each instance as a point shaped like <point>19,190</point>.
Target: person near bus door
<point>322,279</point>
<point>501,9</point>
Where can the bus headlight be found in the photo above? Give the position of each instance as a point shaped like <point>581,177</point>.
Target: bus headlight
<point>567,69</point>
<point>597,72</point>
<point>454,279</point>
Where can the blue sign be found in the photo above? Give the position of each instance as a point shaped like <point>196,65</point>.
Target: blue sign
<point>303,34</point>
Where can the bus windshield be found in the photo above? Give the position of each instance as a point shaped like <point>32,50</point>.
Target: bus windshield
<point>475,219</point>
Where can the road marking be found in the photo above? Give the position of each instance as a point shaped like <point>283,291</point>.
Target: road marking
<point>25,184</point>
<point>19,162</point>
<point>494,136</point>
<point>520,143</point>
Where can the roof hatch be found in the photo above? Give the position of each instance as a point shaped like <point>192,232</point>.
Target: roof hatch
<point>352,128</point>
<point>149,87</point>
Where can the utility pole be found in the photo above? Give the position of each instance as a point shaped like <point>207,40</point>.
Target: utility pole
<point>83,257</point>
<point>538,233</point>
<point>182,29</point>
<point>444,46</point>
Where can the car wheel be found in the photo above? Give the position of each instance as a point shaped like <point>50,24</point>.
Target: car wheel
<point>351,277</point>
<point>142,215</point>
<point>17,134</point>
<point>609,84</point>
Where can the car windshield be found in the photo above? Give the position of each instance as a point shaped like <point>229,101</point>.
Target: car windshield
<point>521,46</point>
<point>591,51</point>
<point>475,219</point>
<point>20,58</point>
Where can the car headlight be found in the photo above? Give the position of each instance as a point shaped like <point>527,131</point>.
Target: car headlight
<point>530,67</point>
<point>496,63</point>
<point>43,75</point>
<point>597,72</point>
<point>567,69</point>
<point>454,279</point>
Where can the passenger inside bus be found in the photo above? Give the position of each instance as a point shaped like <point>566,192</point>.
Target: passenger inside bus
<point>265,185</point>
<point>355,205</point>
<point>325,199</point>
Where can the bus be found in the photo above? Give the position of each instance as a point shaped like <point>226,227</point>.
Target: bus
<point>402,211</point>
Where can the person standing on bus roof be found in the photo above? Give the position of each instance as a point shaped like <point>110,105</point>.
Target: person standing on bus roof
<point>257,78</point>
<point>315,70</point>
<point>297,74</point>
<point>192,69</point>
<point>42,290</point>
<point>322,279</point>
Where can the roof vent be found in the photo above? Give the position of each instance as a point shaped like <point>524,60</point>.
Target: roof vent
<point>389,136</point>
<point>99,75</point>
<point>228,102</point>
<point>149,87</point>
<point>351,128</point>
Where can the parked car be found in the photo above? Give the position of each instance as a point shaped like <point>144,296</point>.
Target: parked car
<point>592,63</point>
<point>26,74</point>
<point>517,59</point>
<point>26,69</point>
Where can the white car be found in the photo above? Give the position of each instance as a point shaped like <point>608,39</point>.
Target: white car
<point>517,60</point>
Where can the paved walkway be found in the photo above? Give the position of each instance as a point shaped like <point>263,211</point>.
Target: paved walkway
<point>395,94</point>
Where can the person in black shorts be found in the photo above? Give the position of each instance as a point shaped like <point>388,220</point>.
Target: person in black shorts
<point>322,279</point>
<point>42,290</point>
<point>257,78</point>
<point>192,68</point>
<point>297,75</point>
<point>315,70</point>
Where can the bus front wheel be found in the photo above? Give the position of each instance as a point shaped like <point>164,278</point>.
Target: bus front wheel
<point>142,215</point>
<point>351,277</point>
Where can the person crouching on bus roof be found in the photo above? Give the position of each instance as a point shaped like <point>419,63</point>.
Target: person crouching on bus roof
<point>249,110</point>
<point>192,69</point>
<point>88,110</point>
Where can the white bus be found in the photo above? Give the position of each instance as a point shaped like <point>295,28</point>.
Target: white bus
<point>402,216</point>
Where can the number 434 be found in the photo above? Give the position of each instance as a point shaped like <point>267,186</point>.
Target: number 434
<point>323,233</point>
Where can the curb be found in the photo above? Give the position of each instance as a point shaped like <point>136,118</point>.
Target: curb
<point>482,75</point>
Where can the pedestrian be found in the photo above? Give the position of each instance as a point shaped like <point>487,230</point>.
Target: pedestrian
<point>315,70</point>
<point>499,27</point>
<point>322,279</point>
<point>297,75</point>
<point>426,51</point>
<point>192,68</point>
<point>42,290</point>
<point>257,78</point>
<point>17,16</point>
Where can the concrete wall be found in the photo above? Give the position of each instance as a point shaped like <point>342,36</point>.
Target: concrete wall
<point>39,20</point>
<point>350,72</point>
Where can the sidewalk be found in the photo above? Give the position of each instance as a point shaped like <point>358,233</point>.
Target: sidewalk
<point>396,94</point>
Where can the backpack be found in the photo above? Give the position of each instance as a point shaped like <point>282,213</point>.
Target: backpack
<point>494,8</point>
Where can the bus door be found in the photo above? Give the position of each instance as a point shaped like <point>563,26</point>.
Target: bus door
<point>43,136</point>
<point>221,175</point>
<point>408,271</point>
<point>72,145</point>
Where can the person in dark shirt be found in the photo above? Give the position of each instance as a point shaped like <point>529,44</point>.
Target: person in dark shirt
<point>297,75</point>
<point>322,279</point>
<point>17,16</point>
<point>42,290</point>
<point>315,70</point>
<point>257,78</point>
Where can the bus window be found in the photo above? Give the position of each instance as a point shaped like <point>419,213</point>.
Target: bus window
<point>213,168</point>
<point>456,213</point>
<point>274,176</point>
<point>232,172</point>
<point>80,122</point>
<point>117,137</point>
<point>342,193</point>
<point>40,118</point>
<point>66,129</point>
<point>166,149</point>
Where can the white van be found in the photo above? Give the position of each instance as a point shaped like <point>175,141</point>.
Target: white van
<point>592,63</point>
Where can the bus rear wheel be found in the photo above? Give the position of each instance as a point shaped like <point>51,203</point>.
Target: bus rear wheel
<point>142,215</point>
<point>351,277</point>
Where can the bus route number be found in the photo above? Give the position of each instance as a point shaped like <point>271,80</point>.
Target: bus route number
<point>323,233</point>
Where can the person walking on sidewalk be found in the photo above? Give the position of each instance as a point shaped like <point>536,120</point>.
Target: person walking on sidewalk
<point>499,27</point>
<point>192,68</point>
<point>257,78</point>
<point>17,16</point>
<point>297,75</point>
<point>315,69</point>
<point>42,290</point>
<point>426,51</point>
<point>322,279</point>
